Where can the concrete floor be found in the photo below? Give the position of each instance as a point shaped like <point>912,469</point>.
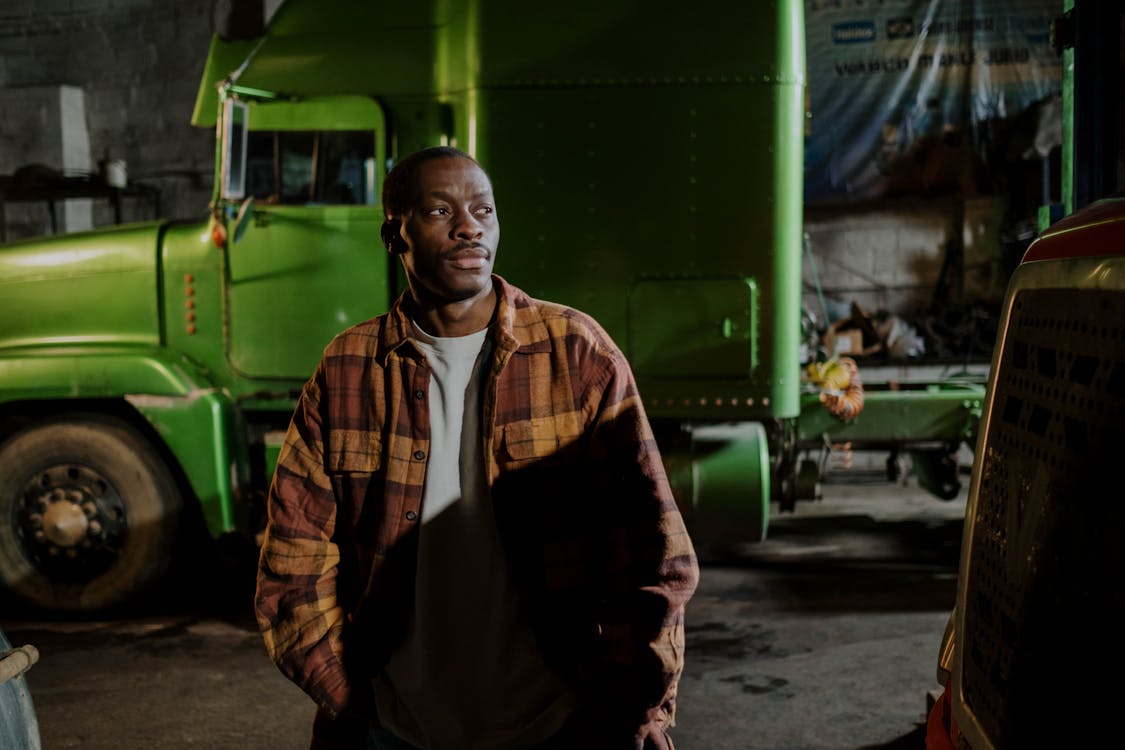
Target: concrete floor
<point>824,637</point>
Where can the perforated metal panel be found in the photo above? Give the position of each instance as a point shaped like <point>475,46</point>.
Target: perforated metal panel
<point>1044,599</point>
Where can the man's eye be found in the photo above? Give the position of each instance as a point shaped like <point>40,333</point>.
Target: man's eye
<point>441,211</point>
<point>485,210</point>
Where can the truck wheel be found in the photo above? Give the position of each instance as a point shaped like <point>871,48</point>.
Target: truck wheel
<point>88,513</point>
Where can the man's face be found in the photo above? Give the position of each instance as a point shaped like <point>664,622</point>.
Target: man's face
<point>451,232</point>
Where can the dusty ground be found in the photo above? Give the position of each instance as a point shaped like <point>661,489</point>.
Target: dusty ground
<point>822,638</point>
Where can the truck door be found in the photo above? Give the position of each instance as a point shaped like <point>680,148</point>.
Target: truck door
<point>307,261</point>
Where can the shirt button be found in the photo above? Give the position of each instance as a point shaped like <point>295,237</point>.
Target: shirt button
<point>419,455</point>
<point>411,515</point>
<point>419,393</point>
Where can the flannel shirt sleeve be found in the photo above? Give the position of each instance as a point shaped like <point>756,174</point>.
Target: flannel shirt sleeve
<point>295,602</point>
<point>652,566</point>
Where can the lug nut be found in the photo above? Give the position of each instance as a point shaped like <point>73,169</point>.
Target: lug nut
<point>95,528</point>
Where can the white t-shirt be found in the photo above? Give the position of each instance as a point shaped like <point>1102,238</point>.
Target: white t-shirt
<point>469,675</point>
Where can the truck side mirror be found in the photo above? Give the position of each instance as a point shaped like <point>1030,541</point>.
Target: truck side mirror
<point>242,220</point>
<point>235,116</point>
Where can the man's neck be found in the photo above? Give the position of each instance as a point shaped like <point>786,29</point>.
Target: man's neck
<point>459,318</point>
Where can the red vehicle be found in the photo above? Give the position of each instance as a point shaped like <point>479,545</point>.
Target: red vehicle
<point>1036,634</point>
<point>1035,637</point>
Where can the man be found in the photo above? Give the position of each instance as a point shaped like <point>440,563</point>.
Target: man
<point>471,540</point>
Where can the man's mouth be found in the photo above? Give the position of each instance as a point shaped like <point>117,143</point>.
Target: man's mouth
<point>468,257</point>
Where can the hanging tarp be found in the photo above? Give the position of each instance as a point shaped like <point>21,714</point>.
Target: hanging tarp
<point>908,96</point>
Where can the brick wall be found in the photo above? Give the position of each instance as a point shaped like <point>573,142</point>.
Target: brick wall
<point>44,126</point>
<point>888,255</point>
<point>136,64</point>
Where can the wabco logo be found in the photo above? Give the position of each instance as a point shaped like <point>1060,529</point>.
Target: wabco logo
<point>853,32</point>
<point>900,28</point>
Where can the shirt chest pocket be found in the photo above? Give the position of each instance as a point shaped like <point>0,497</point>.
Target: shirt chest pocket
<point>544,472</point>
<point>355,452</point>
<point>355,466</point>
<point>553,440</point>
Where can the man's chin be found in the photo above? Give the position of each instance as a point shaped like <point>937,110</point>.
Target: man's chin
<point>472,284</point>
<point>462,288</point>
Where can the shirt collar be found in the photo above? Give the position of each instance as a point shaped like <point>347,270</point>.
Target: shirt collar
<point>517,326</point>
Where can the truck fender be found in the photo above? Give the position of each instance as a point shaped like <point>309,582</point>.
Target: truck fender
<point>200,424</point>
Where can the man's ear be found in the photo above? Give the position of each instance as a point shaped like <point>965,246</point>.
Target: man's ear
<point>391,234</point>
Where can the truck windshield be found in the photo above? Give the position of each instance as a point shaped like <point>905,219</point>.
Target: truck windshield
<point>302,167</point>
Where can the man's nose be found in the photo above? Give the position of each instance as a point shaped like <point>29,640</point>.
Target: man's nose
<point>467,226</point>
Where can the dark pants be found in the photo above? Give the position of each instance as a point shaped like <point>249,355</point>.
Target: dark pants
<point>567,738</point>
<point>379,738</point>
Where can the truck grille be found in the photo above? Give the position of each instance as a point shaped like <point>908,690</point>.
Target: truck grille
<point>1043,604</point>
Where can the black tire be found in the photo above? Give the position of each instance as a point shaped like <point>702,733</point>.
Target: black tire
<point>88,513</point>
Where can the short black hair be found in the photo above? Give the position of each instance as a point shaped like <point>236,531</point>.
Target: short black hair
<point>398,189</point>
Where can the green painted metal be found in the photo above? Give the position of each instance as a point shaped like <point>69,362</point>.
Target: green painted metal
<point>273,443</point>
<point>713,340</point>
<point>1066,153</point>
<point>328,257</point>
<point>198,422</point>
<point>723,482</point>
<point>320,113</point>
<point>204,431</point>
<point>92,371</point>
<point>694,196</point>
<point>192,293</point>
<point>92,286</point>
<point>223,57</point>
<point>332,47</point>
<point>298,277</point>
<point>937,471</point>
<point>933,414</point>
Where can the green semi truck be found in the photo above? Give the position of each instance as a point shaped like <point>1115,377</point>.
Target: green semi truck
<point>648,166</point>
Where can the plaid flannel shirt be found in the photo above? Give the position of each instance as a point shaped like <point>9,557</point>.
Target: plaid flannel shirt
<point>592,533</point>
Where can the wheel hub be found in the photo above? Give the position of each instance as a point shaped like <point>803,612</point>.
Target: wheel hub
<point>64,522</point>
<point>71,522</point>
